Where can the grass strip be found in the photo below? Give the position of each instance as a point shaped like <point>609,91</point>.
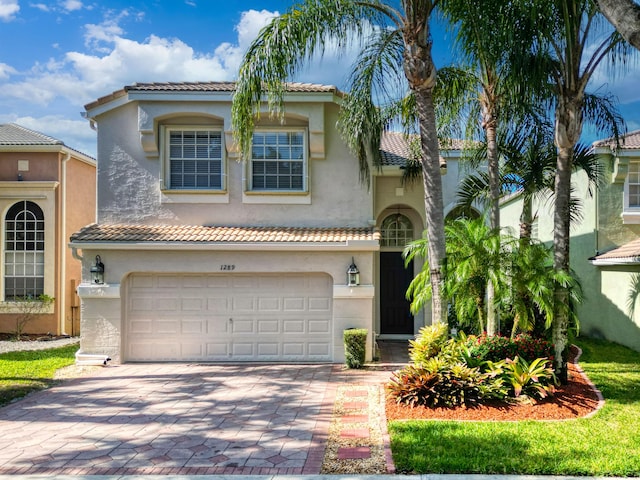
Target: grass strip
<point>24,372</point>
<point>606,444</point>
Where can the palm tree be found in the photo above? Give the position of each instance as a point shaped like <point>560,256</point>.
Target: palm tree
<point>625,16</point>
<point>485,91</point>
<point>532,282</point>
<point>398,40</point>
<point>570,34</point>
<point>474,256</point>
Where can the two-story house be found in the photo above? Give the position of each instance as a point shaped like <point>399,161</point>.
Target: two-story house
<point>209,258</point>
<point>47,192</point>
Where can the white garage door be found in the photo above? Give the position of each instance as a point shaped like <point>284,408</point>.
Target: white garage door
<point>228,318</point>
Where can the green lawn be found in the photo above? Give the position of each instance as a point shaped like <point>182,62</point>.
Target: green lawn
<point>24,372</point>
<point>607,444</point>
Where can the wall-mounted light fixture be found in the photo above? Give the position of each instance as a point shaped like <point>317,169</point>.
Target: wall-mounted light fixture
<point>97,271</point>
<point>353,274</point>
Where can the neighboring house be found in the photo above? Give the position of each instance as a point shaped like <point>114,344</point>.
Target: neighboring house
<point>47,192</point>
<point>210,258</point>
<point>605,243</point>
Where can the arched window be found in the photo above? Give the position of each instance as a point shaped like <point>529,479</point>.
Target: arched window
<point>397,231</point>
<point>24,251</point>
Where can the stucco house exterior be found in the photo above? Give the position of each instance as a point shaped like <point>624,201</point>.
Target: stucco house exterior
<point>605,244</point>
<point>207,258</point>
<point>47,192</point>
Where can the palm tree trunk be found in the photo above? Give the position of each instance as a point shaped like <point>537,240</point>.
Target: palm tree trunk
<point>625,17</point>
<point>489,122</point>
<point>433,204</point>
<point>526,221</point>
<point>421,76</point>
<point>561,241</point>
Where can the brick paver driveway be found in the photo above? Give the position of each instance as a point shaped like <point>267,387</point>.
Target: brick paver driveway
<point>173,419</point>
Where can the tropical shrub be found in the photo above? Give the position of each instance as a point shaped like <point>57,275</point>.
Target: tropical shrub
<point>428,342</point>
<point>535,379</point>
<point>450,386</point>
<point>355,345</point>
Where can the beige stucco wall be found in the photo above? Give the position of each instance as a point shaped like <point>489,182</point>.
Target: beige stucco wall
<point>130,190</point>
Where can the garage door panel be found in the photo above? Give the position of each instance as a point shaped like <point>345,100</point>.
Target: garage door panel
<point>294,304</point>
<point>319,304</point>
<point>293,326</point>
<point>319,326</point>
<point>268,326</point>
<point>242,326</point>
<point>210,317</point>
<point>218,326</point>
<point>243,304</point>
<point>191,327</point>
<point>269,304</point>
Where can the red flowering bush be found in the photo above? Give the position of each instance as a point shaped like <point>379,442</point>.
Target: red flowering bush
<point>499,348</point>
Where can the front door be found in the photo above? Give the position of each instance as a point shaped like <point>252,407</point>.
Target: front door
<point>395,316</point>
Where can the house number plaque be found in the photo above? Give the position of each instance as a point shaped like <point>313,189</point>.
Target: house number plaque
<point>227,267</point>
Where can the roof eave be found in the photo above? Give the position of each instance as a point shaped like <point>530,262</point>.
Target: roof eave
<point>349,245</point>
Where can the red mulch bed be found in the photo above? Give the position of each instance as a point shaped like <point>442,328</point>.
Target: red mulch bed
<point>576,399</point>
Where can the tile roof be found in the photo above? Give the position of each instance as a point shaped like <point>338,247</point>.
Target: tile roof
<point>13,134</point>
<point>220,87</point>
<point>214,234</point>
<point>295,87</point>
<point>628,142</point>
<point>394,147</point>
<point>627,253</point>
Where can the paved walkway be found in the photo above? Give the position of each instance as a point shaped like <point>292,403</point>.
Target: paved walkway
<point>178,419</point>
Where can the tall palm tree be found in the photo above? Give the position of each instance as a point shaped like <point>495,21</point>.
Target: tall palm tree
<point>571,34</point>
<point>398,40</point>
<point>625,16</point>
<point>495,51</point>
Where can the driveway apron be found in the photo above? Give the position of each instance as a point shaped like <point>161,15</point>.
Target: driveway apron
<point>187,419</point>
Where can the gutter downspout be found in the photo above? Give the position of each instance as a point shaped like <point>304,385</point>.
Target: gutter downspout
<point>63,244</point>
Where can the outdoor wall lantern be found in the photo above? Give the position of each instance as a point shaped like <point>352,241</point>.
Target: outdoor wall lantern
<point>353,274</point>
<point>97,271</point>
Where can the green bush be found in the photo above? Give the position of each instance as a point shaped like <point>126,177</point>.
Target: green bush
<point>498,348</point>
<point>428,342</point>
<point>355,347</point>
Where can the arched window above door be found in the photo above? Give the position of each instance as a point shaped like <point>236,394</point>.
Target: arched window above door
<point>397,231</point>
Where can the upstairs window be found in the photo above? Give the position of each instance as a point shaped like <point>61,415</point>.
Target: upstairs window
<point>278,161</point>
<point>24,251</point>
<point>633,185</point>
<point>195,159</point>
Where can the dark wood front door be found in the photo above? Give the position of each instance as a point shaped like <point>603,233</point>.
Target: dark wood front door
<point>395,316</point>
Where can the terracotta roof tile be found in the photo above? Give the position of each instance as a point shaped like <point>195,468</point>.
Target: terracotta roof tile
<point>627,253</point>
<point>394,147</point>
<point>628,142</point>
<point>203,234</point>
<point>296,87</point>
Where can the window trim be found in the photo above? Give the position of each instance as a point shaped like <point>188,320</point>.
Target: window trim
<point>195,195</point>
<point>396,216</point>
<point>280,196</point>
<point>630,215</point>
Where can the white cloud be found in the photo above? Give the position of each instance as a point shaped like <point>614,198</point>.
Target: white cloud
<point>40,6</point>
<point>72,5</point>
<point>8,9</point>
<point>6,71</point>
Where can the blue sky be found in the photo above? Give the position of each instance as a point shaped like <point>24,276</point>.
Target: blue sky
<point>56,56</point>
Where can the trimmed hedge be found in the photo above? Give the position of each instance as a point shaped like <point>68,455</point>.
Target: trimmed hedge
<point>355,347</point>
